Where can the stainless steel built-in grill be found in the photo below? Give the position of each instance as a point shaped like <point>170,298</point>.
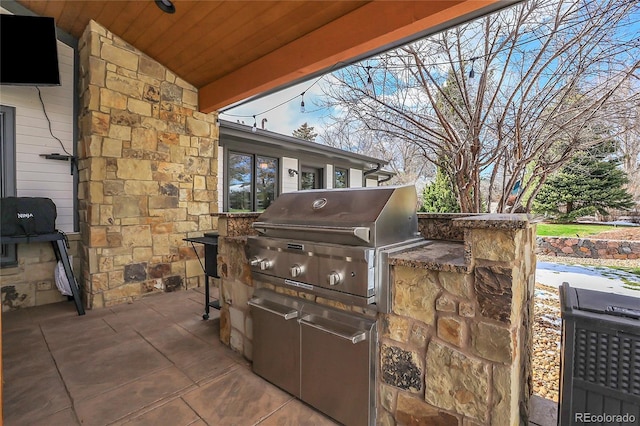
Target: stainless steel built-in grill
<point>334,244</point>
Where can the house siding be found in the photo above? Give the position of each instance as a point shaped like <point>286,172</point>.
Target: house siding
<point>289,183</point>
<point>35,175</point>
<point>355,178</point>
<point>221,156</point>
<point>328,183</point>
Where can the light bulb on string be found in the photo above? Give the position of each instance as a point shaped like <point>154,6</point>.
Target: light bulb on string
<point>302,109</point>
<point>255,125</point>
<point>472,73</point>
<point>369,85</point>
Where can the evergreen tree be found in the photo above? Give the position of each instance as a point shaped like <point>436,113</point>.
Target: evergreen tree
<point>439,196</point>
<point>305,132</point>
<point>590,183</point>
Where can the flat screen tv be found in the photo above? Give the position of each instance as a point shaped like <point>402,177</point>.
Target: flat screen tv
<point>28,51</point>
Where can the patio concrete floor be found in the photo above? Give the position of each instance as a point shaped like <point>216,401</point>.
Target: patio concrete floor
<point>152,362</point>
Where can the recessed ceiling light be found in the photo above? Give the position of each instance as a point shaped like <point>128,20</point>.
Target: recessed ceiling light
<point>166,6</point>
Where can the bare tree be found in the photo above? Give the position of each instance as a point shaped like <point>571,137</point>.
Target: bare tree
<point>626,123</point>
<point>404,159</point>
<point>508,99</point>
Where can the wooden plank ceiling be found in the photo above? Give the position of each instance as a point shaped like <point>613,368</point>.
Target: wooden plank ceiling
<point>232,50</point>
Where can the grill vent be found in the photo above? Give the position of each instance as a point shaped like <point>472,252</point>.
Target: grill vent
<point>608,360</point>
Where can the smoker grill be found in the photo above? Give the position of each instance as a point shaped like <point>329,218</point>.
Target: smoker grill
<point>334,244</point>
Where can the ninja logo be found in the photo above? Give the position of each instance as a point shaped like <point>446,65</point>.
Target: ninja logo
<point>25,215</point>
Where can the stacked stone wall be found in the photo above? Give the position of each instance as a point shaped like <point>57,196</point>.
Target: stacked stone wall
<point>32,281</point>
<point>455,350</point>
<point>587,248</point>
<point>148,173</point>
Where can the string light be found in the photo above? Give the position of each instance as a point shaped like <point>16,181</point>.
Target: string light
<point>523,42</point>
<point>369,80</point>
<point>328,72</point>
<point>255,125</point>
<point>472,72</point>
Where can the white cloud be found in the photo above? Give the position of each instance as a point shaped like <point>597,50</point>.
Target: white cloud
<point>282,109</point>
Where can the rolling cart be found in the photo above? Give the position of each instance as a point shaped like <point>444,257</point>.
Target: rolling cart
<point>210,266</point>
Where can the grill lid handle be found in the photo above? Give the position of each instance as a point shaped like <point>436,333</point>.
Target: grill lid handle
<point>285,312</point>
<point>361,232</point>
<point>355,337</point>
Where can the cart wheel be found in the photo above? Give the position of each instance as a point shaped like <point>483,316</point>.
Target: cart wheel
<point>205,316</point>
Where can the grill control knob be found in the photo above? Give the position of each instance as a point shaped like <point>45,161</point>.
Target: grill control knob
<point>334,278</point>
<point>254,261</point>
<point>265,264</point>
<point>296,270</point>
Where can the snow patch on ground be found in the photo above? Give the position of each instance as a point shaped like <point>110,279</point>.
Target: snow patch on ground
<point>599,278</point>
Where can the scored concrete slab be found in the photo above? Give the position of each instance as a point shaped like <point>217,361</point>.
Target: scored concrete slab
<point>125,400</point>
<point>218,386</point>
<point>175,412</point>
<point>237,398</point>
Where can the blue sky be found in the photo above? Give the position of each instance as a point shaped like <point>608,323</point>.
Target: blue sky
<point>282,109</point>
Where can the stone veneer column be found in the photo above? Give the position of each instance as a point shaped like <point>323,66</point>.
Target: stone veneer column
<point>148,173</point>
<point>235,283</point>
<point>455,350</point>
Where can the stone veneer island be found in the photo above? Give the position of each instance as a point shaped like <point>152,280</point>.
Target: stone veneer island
<point>455,348</point>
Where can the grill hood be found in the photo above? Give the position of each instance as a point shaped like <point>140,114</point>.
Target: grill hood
<point>355,216</point>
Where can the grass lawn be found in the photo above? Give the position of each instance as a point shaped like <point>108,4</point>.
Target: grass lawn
<point>570,229</point>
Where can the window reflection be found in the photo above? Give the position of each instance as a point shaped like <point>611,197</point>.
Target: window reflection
<point>310,178</point>
<point>266,172</point>
<point>252,183</point>
<point>240,182</point>
<point>340,178</point>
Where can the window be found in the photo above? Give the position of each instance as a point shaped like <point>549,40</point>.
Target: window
<point>8,172</point>
<point>340,178</point>
<point>252,183</point>
<point>310,178</point>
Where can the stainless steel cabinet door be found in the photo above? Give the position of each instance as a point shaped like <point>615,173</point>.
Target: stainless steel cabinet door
<point>337,369</point>
<point>276,344</point>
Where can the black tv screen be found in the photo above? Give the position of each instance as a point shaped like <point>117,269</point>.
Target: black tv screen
<point>28,51</point>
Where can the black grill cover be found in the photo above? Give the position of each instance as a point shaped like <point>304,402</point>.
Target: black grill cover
<point>27,216</point>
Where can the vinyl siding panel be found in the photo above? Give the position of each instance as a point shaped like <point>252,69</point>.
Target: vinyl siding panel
<point>37,176</point>
<point>289,183</point>
<point>221,178</point>
<point>355,178</point>
<point>329,177</point>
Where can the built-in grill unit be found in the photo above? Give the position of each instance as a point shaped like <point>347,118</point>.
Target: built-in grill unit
<point>334,244</point>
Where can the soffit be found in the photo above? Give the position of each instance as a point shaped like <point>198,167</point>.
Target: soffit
<point>233,50</point>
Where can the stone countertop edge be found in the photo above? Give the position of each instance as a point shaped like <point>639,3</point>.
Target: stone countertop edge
<point>437,256</point>
<point>495,221</point>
